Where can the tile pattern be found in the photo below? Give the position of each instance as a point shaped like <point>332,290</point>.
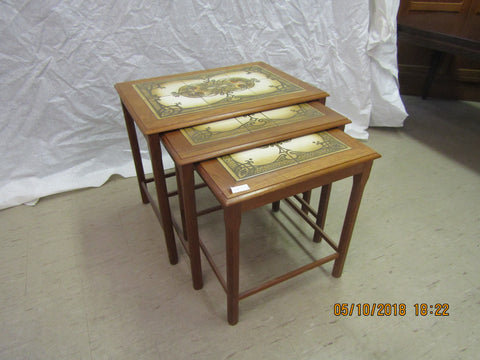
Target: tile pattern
<point>215,89</point>
<point>265,159</point>
<point>242,125</point>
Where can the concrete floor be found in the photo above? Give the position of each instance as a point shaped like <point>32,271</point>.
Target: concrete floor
<point>84,275</point>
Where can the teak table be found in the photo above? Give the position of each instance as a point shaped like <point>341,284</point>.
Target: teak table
<point>162,104</point>
<point>196,144</point>
<point>277,172</point>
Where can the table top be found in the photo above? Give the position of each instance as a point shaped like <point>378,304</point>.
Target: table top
<point>266,159</point>
<point>206,141</point>
<point>276,166</point>
<point>173,102</point>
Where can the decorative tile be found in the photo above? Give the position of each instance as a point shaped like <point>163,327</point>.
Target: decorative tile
<point>217,89</point>
<point>229,128</point>
<point>173,102</point>
<point>255,122</point>
<point>265,159</point>
<point>214,131</point>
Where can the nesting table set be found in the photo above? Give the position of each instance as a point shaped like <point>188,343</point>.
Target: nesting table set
<point>256,136</point>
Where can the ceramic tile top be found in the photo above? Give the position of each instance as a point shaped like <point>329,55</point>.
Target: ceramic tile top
<point>215,89</point>
<point>241,125</point>
<point>247,164</point>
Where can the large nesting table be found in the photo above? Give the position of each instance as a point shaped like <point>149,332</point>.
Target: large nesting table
<point>168,103</point>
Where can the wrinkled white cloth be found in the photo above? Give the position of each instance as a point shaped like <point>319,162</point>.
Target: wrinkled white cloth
<point>61,124</point>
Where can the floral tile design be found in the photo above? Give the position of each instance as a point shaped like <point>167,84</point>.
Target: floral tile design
<point>193,93</point>
<point>247,164</point>
<point>224,129</point>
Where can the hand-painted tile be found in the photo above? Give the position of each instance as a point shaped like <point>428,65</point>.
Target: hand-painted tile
<point>218,89</point>
<point>265,159</point>
<point>214,131</point>
<point>255,122</point>
<point>219,130</point>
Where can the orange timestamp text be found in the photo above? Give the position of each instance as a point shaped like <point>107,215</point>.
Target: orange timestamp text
<point>389,309</point>
<point>373,309</point>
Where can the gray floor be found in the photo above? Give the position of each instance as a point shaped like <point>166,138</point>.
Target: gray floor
<point>84,275</point>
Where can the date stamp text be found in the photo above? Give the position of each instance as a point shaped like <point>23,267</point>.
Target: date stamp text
<point>390,309</point>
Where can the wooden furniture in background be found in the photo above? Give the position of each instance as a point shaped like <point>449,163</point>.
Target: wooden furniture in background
<point>439,48</point>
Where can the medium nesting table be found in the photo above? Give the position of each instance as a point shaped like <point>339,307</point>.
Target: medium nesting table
<point>162,104</point>
<point>208,141</point>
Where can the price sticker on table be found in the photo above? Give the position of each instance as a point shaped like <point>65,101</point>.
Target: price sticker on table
<point>240,188</point>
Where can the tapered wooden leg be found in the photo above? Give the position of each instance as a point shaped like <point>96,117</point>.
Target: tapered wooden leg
<point>437,58</point>
<point>322,210</point>
<point>232,216</point>
<point>276,206</point>
<point>162,196</point>
<point>137,159</point>
<point>358,186</point>
<point>180,201</point>
<point>306,196</point>
<point>187,189</point>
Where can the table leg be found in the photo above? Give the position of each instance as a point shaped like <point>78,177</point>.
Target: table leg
<point>276,206</point>
<point>307,195</point>
<point>359,182</point>
<point>232,216</point>
<point>162,196</point>
<point>186,183</point>
<point>180,199</point>
<point>322,210</point>
<point>437,57</point>
<point>137,159</point>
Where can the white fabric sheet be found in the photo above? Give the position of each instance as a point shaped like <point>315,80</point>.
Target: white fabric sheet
<point>61,125</point>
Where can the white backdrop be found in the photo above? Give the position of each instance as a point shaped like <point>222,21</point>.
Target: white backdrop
<point>61,125</point>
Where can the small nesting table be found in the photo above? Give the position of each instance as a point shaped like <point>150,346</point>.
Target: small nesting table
<point>250,179</point>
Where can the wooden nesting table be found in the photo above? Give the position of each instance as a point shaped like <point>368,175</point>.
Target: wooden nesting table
<point>276,125</point>
<point>277,172</point>
<point>205,116</point>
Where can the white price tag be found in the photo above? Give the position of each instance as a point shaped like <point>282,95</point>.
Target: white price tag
<point>240,188</point>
